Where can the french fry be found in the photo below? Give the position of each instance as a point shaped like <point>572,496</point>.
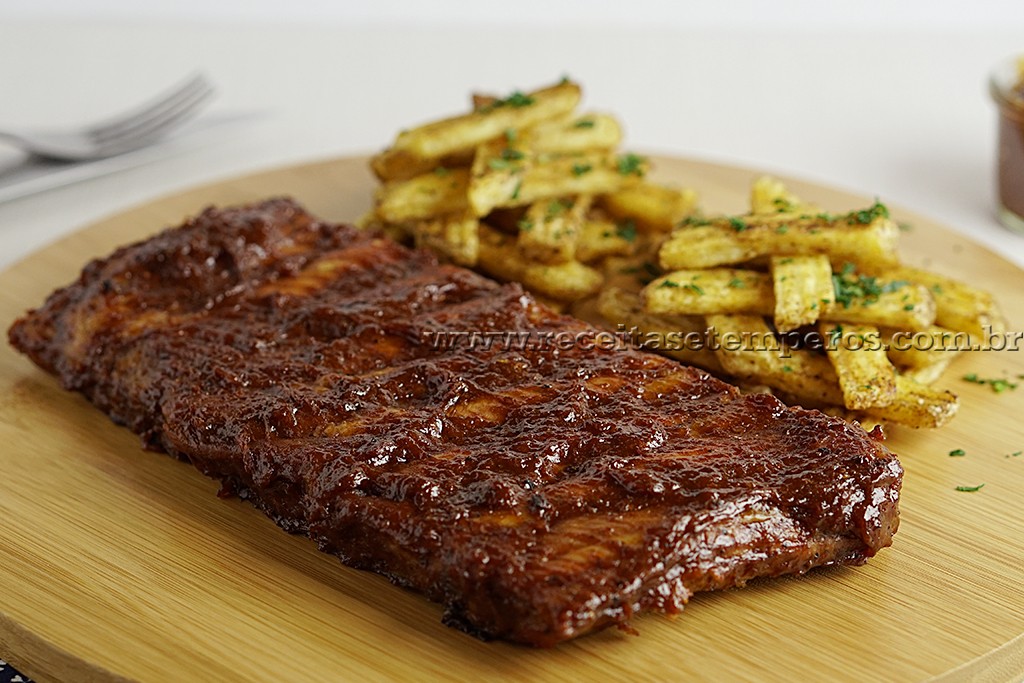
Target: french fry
<point>427,195</point>
<point>959,306</point>
<point>876,301</point>
<point>455,236</point>
<point>924,355</point>
<point>498,255</point>
<point>600,239</point>
<point>667,335</point>
<point>539,177</point>
<point>570,135</point>
<point>929,374</point>
<point>862,238</point>
<point>716,290</point>
<point>467,131</point>
<point>549,231</point>
<point>630,273</point>
<point>866,377</point>
<point>654,208</point>
<point>496,177</point>
<point>802,286</point>
<point>747,349</point>
<point>768,196</point>
<point>563,281</point>
<point>395,164</point>
<point>917,405</point>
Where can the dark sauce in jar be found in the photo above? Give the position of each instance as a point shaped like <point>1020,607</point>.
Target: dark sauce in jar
<point>1007,88</point>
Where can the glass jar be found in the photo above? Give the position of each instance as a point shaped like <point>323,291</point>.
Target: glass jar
<point>1007,87</point>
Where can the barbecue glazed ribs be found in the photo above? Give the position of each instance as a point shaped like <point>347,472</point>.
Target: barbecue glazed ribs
<point>538,490</point>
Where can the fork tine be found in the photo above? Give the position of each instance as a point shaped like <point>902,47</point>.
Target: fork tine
<point>157,123</point>
<point>169,98</point>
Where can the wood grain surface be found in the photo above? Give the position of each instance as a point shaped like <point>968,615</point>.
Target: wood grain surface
<point>120,564</point>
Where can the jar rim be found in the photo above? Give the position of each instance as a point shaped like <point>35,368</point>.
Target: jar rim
<point>1006,83</point>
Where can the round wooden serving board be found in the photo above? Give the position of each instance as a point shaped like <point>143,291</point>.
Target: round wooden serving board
<point>117,563</point>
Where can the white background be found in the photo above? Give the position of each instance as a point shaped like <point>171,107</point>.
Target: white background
<point>887,99</point>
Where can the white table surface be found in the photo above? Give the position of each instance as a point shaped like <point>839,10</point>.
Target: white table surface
<point>888,102</point>
<point>901,114</point>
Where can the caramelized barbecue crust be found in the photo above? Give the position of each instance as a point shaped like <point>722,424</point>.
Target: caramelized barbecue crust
<point>538,488</point>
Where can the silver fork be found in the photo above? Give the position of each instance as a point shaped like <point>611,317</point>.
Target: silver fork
<point>137,128</point>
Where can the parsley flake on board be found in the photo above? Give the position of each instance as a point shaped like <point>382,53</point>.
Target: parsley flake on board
<point>998,385</point>
<point>957,453</point>
<point>970,489</point>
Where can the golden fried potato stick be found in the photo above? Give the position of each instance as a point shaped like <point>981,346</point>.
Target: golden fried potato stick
<point>715,290</point>
<point>747,349</point>
<point>550,230</point>
<point>653,208</point>
<point>466,131</point>
<point>802,286</point>
<point>425,196</point>
<point>866,238</point>
<point>667,335</point>
<point>866,377</point>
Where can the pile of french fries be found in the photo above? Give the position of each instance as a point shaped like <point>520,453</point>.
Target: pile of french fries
<point>784,298</point>
<point>817,307</point>
<point>526,189</point>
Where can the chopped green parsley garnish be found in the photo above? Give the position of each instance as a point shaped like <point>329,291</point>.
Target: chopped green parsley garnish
<point>969,489</point>
<point>556,208</point>
<point>668,283</point>
<point>515,100</point>
<point>580,169</point>
<point>957,453</point>
<point>510,135</point>
<point>631,164</point>
<point>782,205</point>
<point>515,191</point>
<point>865,216</point>
<point>626,230</point>
<point>736,283</point>
<point>850,287</point>
<point>738,224</point>
<point>693,288</point>
<point>998,385</point>
<point>584,123</point>
<point>694,222</point>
